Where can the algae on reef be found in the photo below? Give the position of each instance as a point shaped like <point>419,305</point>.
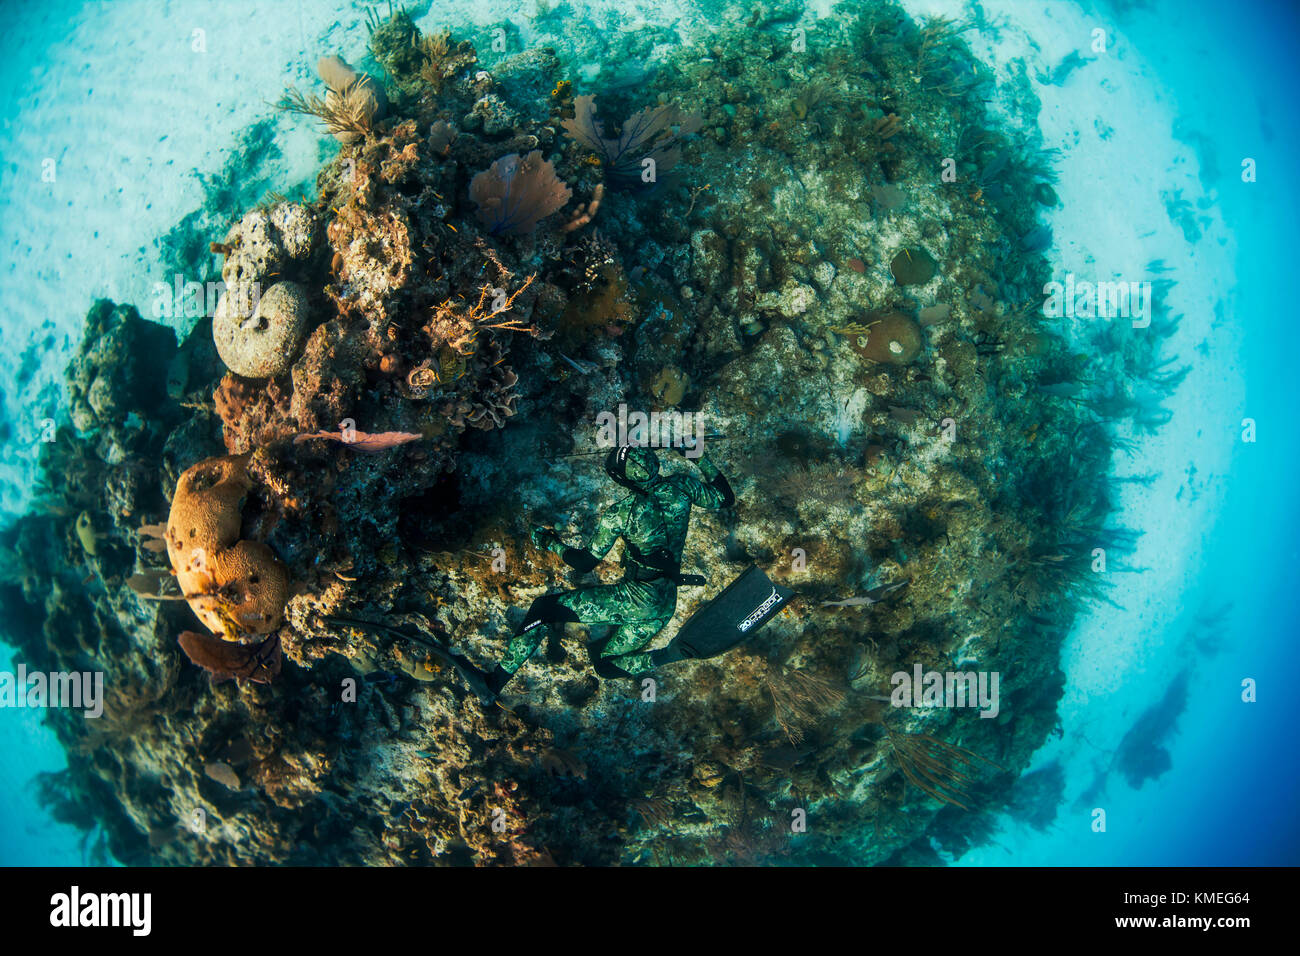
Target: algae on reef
<point>883,421</point>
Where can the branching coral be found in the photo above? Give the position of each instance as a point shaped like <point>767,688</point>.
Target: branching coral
<point>459,326</point>
<point>936,768</point>
<point>441,59</point>
<point>350,110</point>
<point>799,699</point>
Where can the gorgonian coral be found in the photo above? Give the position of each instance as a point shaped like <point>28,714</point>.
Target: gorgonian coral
<point>652,134</point>
<point>514,194</point>
<point>350,108</point>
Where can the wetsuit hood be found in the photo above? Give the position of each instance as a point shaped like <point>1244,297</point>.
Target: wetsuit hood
<point>632,467</point>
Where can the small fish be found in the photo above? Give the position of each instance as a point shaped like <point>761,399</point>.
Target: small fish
<point>87,535</point>
<point>584,367</point>
<point>874,596</point>
<point>995,166</point>
<point>557,762</point>
<point>224,774</point>
<point>149,584</point>
<point>178,375</point>
<point>1036,240</point>
<point>362,441</point>
<point>160,836</point>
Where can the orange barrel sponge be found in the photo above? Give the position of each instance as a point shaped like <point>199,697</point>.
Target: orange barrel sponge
<point>235,587</point>
<point>250,590</point>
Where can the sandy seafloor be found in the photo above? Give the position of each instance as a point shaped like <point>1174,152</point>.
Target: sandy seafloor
<point>115,94</point>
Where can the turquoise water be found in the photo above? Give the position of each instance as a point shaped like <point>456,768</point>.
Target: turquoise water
<point>1190,89</point>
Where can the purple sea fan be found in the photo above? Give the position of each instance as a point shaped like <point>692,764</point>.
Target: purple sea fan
<point>649,134</point>
<point>514,193</point>
<point>259,663</point>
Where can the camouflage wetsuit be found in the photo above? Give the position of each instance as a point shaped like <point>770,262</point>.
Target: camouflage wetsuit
<point>652,522</point>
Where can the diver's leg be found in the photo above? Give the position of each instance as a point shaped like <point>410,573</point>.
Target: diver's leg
<point>616,657</point>
<point>626,602</point>
<point>547,609</point>
<point>629,604</point>
<point>641,609</point>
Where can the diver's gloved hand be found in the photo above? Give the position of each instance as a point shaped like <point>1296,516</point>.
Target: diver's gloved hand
<point>545,538</point>
<point>708,469</point>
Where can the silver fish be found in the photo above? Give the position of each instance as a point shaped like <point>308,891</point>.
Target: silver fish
<point>874,596</point>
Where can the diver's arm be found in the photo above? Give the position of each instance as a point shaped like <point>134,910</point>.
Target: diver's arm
<point>583,559</point>
<point>716,493</point>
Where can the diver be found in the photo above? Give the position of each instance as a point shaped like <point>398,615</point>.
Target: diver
<point>652,522</point>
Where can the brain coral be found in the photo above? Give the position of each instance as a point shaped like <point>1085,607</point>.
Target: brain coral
<point>205,513</point>
<point>893,337</point>
<point>265,344</point>
<point>913,267</point>
<point>252,588</point>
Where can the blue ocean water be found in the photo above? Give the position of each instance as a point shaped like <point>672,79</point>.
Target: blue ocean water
<point>1227,612</point>
<point>1235,778</point>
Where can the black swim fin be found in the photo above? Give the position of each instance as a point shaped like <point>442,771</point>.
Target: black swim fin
<point>731,618</point>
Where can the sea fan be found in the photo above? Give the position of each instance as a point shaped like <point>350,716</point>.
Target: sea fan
<point>649,134</point>
<point>259,663</point>
<point>351,109</point>
<point>935,767</point>
<point>513,194</point>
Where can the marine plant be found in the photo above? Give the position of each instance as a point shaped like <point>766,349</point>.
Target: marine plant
<point>349,110</point>
<point>935,767</point>
<point>648,140</point>
<point>514,193</point>
<point>799,699</point>
<point>441,59</point>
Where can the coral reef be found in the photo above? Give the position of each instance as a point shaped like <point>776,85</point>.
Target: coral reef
<point>265,344</point>
<point>513,193</point>
<point>913,451</point>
